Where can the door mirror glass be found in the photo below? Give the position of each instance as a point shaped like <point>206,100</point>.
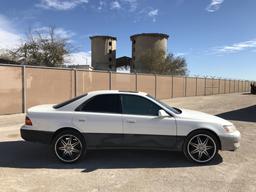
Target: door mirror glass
<point>162,113</point>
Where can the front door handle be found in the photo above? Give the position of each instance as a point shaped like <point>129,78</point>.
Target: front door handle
<point>131,121</point>
<point>81,120</point>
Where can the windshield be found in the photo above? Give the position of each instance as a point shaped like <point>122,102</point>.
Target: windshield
<point>173,109</point>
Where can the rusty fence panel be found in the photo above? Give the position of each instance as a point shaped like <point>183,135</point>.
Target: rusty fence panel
<point>163,87</point>
<point>227,86</point>
<point>11,86</point>
<point>200,86</point>
<point>209,86</point>
<point>122,81</point>
<point>91,81</point>
<point>178,86</point>
<point>191,86</point>
<point>215,86</point>
<point>240,86</point>
<point>42,86</point>
<point>232,88</point>
<point>222,86</point>
<point>24,86</point>
<point>146,83</point>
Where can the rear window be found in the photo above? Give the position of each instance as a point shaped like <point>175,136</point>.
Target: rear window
<point>68,101</point>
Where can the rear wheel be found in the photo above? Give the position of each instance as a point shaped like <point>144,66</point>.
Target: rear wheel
<point>201,147</point>
<point>69,146</point>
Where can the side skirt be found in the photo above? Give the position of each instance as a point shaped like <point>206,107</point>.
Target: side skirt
<point>133,141</point>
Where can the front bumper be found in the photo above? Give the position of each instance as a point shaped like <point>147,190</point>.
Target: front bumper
<point>230,141</point>
<point>37,136</point>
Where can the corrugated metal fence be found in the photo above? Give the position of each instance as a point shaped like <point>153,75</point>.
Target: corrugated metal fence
<point>24,86</point>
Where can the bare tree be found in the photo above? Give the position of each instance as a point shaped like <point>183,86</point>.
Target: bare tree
<point>158,62</point>
<point>42,48</point>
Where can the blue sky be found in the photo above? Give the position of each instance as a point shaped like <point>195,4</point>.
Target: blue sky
<point>217,37</point>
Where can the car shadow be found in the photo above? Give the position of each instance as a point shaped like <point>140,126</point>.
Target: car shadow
<point>20,154</point>
<point>247,93</point>
<point>244,114</point>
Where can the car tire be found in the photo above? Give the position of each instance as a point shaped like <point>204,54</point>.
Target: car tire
<point>69,146</point>
<point>201,147</point>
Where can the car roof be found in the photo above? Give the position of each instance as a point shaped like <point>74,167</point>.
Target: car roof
<point>115,91</point>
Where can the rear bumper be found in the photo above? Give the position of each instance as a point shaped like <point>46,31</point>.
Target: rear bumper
<point>36,135</point>
<point>231,141</point>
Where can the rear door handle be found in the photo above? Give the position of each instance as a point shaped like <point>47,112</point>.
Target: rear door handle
<point>81,120</point>
<point>131,121</point>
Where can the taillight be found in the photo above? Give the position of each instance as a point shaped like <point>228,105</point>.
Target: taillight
<point>28,121</point>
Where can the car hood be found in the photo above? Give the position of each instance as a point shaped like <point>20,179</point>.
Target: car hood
<point>200,116</point>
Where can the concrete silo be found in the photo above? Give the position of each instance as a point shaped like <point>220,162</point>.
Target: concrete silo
<point>103,52</point>
<point>146,42</point>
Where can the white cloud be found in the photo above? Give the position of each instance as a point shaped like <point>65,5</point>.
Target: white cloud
<point>127,5</point>
<point>60,32</point>
<point>115,5</point>
<point>78,58</point>
<point>153,14</point>
<point>180,54</point>
<point>236,47</point>
<point>9,38</point>
<point>214,5</point>
<point>61,4</point>
<point>101,4</point>
<point>133,4</point>
<point>146,13</point>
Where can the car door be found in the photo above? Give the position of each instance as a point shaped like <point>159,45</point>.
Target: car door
<point>143,127</point>
<point>101,121</point>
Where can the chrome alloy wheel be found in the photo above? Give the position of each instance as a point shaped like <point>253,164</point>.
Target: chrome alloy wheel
<point>201,148</point>
<point>68,148</point>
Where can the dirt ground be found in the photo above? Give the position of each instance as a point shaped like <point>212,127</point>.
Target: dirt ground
<point>31,167</point>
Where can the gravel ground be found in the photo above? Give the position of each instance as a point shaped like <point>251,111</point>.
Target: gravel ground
<point>31,167</point>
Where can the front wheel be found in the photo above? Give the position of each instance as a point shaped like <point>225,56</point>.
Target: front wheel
<point>69,146</point>
<point>201,147</point>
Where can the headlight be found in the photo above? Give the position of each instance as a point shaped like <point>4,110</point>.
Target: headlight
<point>229,128</point>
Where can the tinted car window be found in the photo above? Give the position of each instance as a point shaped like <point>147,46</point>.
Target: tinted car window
<point>137,105</point>
<point>109,103</point>
<point>68,101</point>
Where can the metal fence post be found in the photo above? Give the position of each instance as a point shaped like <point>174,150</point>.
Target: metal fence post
<point>212,86</point>
<point>185,91</point>
<point>224,86</point>
<point>155,86</point>
<point>196,87</point>
<point>172,86</point>
<point>136,81</point>
<point>205,86</point>
<point>229,85</point>
<point>219,87</point>
<point>110,80</point>
<point>24,89</point>
<point>75,82</point>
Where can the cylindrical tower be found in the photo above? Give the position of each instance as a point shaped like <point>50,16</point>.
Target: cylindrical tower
<point>103,52</point>
<point>146,43</point>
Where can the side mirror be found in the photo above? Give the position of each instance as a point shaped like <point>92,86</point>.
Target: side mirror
<point>162,113</point>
